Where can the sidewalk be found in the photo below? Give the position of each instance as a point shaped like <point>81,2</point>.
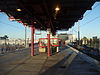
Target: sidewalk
<point>32,65</point>
<point>81,67</point>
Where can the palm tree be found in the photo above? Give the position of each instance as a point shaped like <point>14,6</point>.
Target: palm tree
<point>5,37</point>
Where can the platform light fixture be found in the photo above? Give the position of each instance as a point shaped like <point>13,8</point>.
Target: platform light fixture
<point>34,22</point>
<point>56,27</point>
<point>25,24</point>
<point>19,9</point>
<point>56,11</point>
<point>57,8</point>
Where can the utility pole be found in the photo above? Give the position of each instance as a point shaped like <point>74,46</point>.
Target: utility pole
<point>25,36</point>
<point>72,35</point>
<point>78,34</point>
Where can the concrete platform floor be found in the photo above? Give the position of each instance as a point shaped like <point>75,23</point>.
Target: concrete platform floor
<point>21,63</point>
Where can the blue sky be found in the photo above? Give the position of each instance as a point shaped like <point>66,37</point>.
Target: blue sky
<point>87,28</point>
<point>12,29</point>
<point>90,24</point>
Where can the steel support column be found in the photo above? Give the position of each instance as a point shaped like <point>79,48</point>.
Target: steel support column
<point>48,44</point>
<point>32,40</point>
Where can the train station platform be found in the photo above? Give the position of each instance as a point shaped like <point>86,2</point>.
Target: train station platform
<point>66,62</point>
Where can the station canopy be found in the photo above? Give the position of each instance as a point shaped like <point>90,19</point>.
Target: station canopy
<point>43,14</point>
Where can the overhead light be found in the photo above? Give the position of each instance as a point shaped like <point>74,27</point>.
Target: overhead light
<point>17,19</point>
<point>19,10</point>
<point>25,23</point>
<point>11,18</point>
<point>34,22</point>
<point>56,27</point>
<point>20,21</point>
<point>57,8</point>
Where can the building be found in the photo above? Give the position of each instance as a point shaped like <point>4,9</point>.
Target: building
<point>67,37</point>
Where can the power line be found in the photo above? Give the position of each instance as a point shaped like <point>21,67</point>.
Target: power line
<point>7,23</point>
<point>91,21</point>
<point>10,25</point>
<point>92,10</point>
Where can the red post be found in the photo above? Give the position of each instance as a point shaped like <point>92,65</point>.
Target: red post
<point>32,41</point>
<point>48,44</point>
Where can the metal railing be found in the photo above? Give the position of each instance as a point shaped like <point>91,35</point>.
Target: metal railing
<point>10,48</point>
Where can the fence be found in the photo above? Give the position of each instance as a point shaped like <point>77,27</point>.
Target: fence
<point>10,48</point>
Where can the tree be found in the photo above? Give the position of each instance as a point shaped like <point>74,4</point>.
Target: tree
<point>5,37</point>
<point>85,40</point>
